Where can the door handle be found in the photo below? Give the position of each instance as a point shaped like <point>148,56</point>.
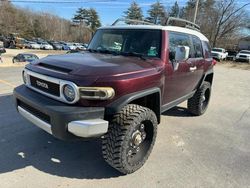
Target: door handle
<point>192,69</point>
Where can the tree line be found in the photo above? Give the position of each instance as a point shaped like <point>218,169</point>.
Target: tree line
<point>29,24</point>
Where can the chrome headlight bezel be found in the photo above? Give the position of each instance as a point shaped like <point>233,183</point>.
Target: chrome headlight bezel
<point>69,92</point>
<point>96,93</point>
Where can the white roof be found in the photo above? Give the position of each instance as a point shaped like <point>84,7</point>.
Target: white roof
<point>159,27</point>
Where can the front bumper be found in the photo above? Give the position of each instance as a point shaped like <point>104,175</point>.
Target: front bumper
<point>242,59</point>
<point>63,121</point>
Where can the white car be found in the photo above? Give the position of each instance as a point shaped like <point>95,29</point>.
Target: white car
<point>243,55</point>
<point>219,53</point>
<point>34,45</point>
<point>46,46</point>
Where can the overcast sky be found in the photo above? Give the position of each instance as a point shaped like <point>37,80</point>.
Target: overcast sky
<point>109,10</point>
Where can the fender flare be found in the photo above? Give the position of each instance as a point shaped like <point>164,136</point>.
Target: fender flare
<point>210,71</point>
<point>118,104</point>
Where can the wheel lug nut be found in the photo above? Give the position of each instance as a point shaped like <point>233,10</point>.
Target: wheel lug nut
<point>142,126</point>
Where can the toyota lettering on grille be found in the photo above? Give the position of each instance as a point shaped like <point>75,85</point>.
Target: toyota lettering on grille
<point>42,84</point>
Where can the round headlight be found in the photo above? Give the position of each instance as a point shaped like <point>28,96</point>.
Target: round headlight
<point>24,77</point>
<point>69,92</point>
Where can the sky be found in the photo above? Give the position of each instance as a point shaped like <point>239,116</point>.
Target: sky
<point>108,10</point>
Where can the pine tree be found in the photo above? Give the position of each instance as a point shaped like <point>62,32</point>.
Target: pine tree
<point>157,13</point>
<point>134,12</point>
<point>88,16</point>
<point>175,10</point>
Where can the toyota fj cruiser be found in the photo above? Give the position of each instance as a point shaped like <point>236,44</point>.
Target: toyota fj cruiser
<point>119,87</point>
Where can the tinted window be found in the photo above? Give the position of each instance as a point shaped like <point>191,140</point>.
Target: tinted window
<point>217,50</point>
<point>197,47</point>
<point>178,39</point>
<point>245,52</point>
<point>121,41</point>
<point>207,49</point>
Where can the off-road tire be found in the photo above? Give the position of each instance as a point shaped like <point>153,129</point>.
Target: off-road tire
<point>195,103</point>
<point>115,142</point>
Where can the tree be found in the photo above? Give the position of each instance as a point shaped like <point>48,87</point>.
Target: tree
<point>231,18</point>
<point>89,17</point>
<point>134,12</point>
<point>157,13</point>
<point>221,21</point>
<point>175,10</point>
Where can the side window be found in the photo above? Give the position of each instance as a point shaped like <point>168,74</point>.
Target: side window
<point>178,39</point>
<point>207,49</point>
<point>197,47</point>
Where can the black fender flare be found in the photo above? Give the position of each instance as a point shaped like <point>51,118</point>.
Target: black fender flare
<point>209,72</point>
<point>118,104</point>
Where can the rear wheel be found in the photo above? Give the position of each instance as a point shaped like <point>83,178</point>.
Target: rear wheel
<point>14,60</point>
<point>130,138</point>
<point>198,104</point>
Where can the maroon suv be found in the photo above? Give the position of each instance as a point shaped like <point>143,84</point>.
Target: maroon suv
<point>118,89</point>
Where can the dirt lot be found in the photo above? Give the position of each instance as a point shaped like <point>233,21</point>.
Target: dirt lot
<point>10,53</point>
<point>212,150</point>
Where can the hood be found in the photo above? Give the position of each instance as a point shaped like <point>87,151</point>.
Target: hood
<point>95,64</point>
<point>242,53</point>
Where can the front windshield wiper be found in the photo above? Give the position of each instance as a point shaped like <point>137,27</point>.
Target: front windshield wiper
<point>105,51</point>
<point>142,56</point>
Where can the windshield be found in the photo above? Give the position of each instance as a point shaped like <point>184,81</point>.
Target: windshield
<point>217,50</point>
<point>146,43</point>
<point>245,52</point>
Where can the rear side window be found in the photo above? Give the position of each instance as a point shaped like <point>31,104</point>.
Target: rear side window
<point>197,47</point>
<point>178,39</point>
<point>207,49</point>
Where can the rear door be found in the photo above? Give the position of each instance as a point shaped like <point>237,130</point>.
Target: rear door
<point>197,59</point>
<point>180,77</point>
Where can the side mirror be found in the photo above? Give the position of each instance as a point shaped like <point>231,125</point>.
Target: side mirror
<point>181,53</point>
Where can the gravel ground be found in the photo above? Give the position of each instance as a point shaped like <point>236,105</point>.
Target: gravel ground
<point>212,150</point>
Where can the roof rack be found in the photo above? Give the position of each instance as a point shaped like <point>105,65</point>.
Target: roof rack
<point>131,22</point>
<point>171,21</point>
<point>182,23</point>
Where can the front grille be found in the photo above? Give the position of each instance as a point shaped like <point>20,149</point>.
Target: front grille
<point>45,86</point>
<point>34,111</point>
<point>244,56</point>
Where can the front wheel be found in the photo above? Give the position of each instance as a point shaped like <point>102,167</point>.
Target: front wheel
<point>130,138</point>
<point>198,104</point>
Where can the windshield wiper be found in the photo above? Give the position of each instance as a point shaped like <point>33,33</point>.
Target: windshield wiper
<point>105,51</point>
<point>142,56</point>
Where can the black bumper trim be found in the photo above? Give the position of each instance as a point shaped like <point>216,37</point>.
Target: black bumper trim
<point>60,114</point>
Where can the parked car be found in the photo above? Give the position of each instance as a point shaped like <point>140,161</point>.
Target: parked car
<point>68,46</point>
<point>119,95</point>
<point>243,55</point>
<point>24,57</point>
<point>2,50</point>
<point>34,45</point>
<point>231,55</point>
<point>74,51</point>
<point>56,45</point>
<point>219,54</point>
<point>79,46</point>
<point>46,46</point>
